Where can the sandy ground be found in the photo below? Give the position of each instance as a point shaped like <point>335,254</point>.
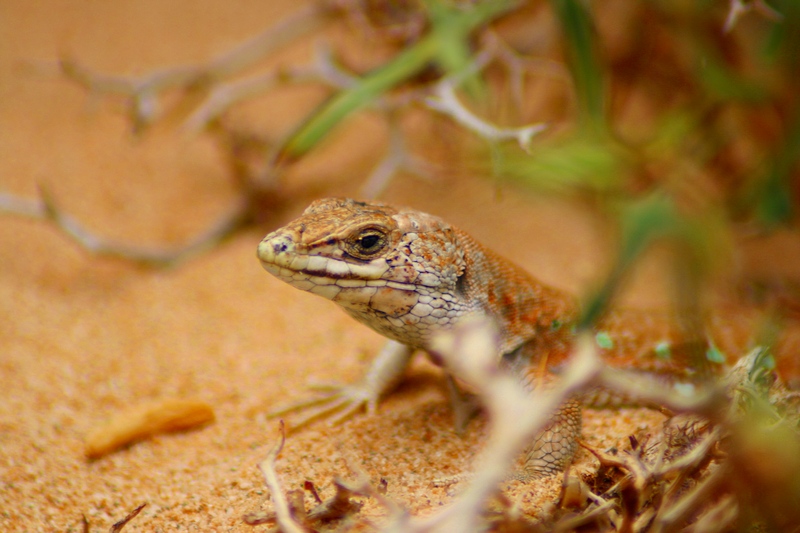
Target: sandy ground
<point>82,338</point>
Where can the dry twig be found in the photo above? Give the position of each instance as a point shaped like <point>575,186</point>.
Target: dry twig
<point>283,512</point>
<point>143,93</point>
<point>738,8</point>
<point>290,512</point>
<point>445,101</point>
<point>48,210</point>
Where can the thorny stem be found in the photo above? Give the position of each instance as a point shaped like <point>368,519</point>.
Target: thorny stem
<point>433,48</point>
<point>518,414</point>
<point>143,94</point>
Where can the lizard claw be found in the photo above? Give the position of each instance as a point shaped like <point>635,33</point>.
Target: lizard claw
<point>342,401</point>
<point>339,402</point>
<point>349,398</point>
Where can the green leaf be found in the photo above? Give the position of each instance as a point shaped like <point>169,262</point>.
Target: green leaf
<point>715,355</point>
<point>774,196</point>
<point>724,84</point>
<point>663,350</point>
<point>604,340</point>
<point>578,164</point>
<point>446,45</point>
<point>578,27</point>
<point>342,104</point>
<point>645,220</point>
<point>642,222</point>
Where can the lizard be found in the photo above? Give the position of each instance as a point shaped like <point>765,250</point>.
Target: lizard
<point>409,275</point>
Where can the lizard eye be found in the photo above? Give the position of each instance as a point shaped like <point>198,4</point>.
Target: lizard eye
<point>367,243</point>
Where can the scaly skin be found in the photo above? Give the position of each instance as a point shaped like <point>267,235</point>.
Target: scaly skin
<point>409,275</point>
<point>419,276</point>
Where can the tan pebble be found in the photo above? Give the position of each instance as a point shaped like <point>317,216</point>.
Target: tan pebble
<point>145,420</point>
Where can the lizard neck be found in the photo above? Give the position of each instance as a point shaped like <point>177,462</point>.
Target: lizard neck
<point>526,311</point>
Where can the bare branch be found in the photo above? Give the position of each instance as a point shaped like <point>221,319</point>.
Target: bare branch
<point>719,516</point>
<point>650,392</point>
<point>587,517</point>
<point>447,103</point>
<point>516,65</point>
<point>740,7</point>
<point>362,487</point>
<point>48,210</point>
<point>143,91</point>
<point>15,205</point>
<point>330,72</point>
<point>695,457</point>
<point>225,95</point>
<point>397,158</point>
<point>302,21</point>
<point>327,71</point>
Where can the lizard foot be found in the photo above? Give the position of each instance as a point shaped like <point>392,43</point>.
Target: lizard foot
<point>339,402</point>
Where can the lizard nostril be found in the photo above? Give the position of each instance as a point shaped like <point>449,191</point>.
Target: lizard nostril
<point>273,246</point>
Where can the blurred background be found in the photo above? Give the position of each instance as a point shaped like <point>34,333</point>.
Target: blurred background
<point>640,150</point>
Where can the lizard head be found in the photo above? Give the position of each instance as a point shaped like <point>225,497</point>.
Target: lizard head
<point>396,270</point>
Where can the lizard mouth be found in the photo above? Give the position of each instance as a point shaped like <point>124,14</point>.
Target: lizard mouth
<point>306,278</point>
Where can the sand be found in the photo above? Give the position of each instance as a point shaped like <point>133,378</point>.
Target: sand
<point>83,338</point>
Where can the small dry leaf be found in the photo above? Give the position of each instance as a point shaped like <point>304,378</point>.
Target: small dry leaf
<point>116,528</point>
<point>145,420</point>
<point>339,506</point>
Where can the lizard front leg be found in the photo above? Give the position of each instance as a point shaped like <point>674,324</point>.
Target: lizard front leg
<point>341,401</point>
